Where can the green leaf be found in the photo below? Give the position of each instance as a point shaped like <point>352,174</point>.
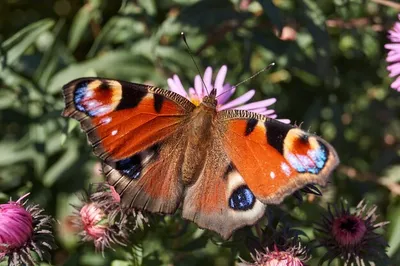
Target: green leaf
<point>394,230</point>
<point>120,263</point>
<point>149,6</point>
<point>116,64</point>
<point>56,170</point>
<point>80,24</point>
<point>16,45</point>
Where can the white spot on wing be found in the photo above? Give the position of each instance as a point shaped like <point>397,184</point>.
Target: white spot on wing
<point>106,120</point>
<point>114,132</point>
<point>272,175</point>
<point>286,169</point>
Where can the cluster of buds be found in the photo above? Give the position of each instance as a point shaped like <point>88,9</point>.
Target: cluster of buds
<point>101,219</point>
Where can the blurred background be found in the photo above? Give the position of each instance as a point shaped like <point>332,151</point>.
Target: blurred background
<point>330,77</point>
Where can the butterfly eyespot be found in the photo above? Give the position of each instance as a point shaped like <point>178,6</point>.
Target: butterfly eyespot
<point>242,199</point>
<point>130,167</point>
<point>312,162</point>
<point>96,97</point>
<point>79,95</point>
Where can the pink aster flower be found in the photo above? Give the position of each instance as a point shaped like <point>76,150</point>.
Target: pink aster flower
<point>293,256</point>
<point>393,57</point>
<point>23,230</point>
<point>196,94</point>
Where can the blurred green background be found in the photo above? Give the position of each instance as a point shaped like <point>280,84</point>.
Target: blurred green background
<point>330,76</point>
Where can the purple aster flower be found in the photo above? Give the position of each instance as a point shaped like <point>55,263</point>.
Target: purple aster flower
<point>101,219</point>
<point>24,229</point>
<point>393,57</point>
<point>350,235</point>
<point>196,94</point>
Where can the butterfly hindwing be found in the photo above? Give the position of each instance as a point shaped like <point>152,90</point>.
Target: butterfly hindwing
<point>150,180</point>
<point>220,199</point>
<point>122,118</point>
<point>274,158</point>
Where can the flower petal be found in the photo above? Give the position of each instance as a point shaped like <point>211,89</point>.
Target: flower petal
<point>208,79</point>
<point>226,93</point>
<point>393,57</point>
<point>393,46</point>
<point>219,80</point>
<point>175,85</point>
<point>239,100</point>
<point>285,121</point>
<point>396,84</point>
<point>394,70</point>
<point>259,104</point>
<point>198,86</point>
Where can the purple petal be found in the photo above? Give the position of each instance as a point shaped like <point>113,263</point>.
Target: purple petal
<point>175,85</point>
<point>239,100</point>
<point>226,93</point>
<point>393,46</point>
<point>268,112</point>
<point>396,84</point>
<point>219,80</point>
<point>286,121</point>
<point>198,86</point>
<point>207,79</point>
<point>393,57</point>
<point>257,110</point>
<point>394,70</point>
<point>259,104</point>
<point>192,93</point>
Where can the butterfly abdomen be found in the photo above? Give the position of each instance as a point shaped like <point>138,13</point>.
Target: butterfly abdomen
<point>199,136</point>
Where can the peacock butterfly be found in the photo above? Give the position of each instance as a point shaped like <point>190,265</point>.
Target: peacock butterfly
<point>161,151</point>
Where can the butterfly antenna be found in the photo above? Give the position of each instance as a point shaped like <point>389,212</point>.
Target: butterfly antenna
<point>249,78</point>
<point>191,56</point>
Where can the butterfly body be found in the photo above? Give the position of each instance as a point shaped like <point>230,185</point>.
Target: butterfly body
<point>162,152</point>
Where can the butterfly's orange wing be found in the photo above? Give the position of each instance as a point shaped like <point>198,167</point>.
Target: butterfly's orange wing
<point>130,127</point>
<point>274,159</point>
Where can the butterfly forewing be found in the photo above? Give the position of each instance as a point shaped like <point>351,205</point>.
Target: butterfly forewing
<point>122,118</point>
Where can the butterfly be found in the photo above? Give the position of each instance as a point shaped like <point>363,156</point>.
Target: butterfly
<point>161,152</point>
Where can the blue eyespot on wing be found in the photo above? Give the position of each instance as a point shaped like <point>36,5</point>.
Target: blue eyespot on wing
<point>130,167</point>
<point>242,199</point>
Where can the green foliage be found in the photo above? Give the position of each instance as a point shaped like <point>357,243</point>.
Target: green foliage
<point>330,77</point>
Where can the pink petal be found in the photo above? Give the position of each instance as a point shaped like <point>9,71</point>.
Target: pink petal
<point>394,70</point>
<point>207,79</point>
<point>393,46</point>
<point>257,110</point>
<point>286,121</point>
<point>259,104</point>
<point>393,57</point>
<point>396,84</point>
<point>268,112</point>
<point>198,86</point>
<point>192,92</point>
<point>239,100</point>
<point>219,81</point>
<point>226,93</point>
<point>175,85</point>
